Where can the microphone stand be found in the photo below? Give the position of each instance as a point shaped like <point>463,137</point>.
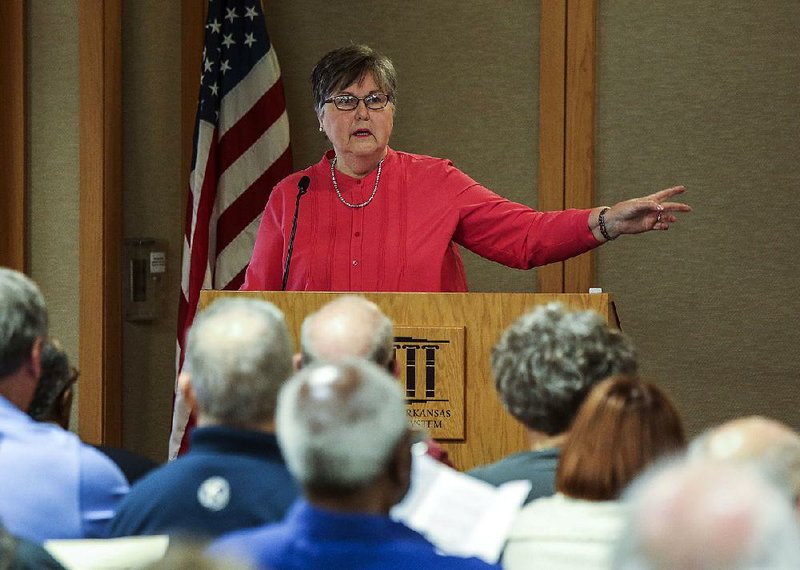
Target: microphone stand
<point>302,188</point>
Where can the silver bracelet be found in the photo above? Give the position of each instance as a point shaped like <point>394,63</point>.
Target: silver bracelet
<point>601,220</point>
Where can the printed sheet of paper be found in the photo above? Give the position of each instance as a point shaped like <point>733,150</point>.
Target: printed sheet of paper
<point>461,515</point>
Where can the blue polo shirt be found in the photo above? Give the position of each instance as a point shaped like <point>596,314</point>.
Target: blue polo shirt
<point>230,479</point>
<point>311,538</point>
<point>51,484</point>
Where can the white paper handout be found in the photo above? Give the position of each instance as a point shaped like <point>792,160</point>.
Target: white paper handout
<point>459,514</point>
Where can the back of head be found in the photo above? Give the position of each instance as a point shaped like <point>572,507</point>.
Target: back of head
<point>339,424</point>
<point>547,361</point>
<point>238,354</point>
<point>766,444</point>
<point>23,319</point>
<point>707,516</point>
<point>624,425</point>
<point>57,377</point>
<point>349,326</point>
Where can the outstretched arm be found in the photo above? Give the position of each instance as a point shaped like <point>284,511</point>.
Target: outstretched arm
<point>638,215</point>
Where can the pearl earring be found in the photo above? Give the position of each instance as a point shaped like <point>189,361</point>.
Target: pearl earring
<point>320,128</point>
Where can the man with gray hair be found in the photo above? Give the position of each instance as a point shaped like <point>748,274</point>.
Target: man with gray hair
<point>766,444</point>
<point>544,365</point>
<point>344,433</point>
<point>707,515</point>
<point>353,327</point>
<point>51,484</point>
<point>238,354</point>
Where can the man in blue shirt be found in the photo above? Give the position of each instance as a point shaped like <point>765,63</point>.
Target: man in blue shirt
<point>238,354</point>
<point>344,433</point>
<point>51,484</point>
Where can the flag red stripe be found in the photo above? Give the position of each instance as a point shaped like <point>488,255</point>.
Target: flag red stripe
<point>200,245</point>
<point>198,259</point>
<point>253,124</point>
<point>187,228</point>
<point>252,201</point>
<point>183,324</point>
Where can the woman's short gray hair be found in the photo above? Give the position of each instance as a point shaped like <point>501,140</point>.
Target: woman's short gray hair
<point>23,319</point>
<point>344,66</point>
<point>547,361</point>
<point>339,424</point>
<point>238,355</point>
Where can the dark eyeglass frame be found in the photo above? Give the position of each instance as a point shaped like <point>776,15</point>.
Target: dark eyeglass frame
<point>376,106</point>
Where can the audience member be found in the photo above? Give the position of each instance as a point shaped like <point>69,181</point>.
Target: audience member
<point>20,554</point>
<point>767,444</point>
<point>52,402</point>
<point>544,365</point>
<point>51,485</point>
<point>345,436</point>
<point>349,326</point>
<point>707,516</point>
<point>352,326</point>
<point>238,354</point>
<point>624,425</point>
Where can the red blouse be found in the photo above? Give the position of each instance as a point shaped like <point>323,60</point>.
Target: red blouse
<point>406,238</point>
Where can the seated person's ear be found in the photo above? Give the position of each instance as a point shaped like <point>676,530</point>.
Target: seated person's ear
<point>297,361</point>
<point>400,466</point>
<point>187,391</point>
<point>36,358</point>
<point>64,408</point>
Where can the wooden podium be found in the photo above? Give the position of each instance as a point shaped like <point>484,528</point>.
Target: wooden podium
<point>443,343</point>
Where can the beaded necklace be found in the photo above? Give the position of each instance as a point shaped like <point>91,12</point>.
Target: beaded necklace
<point>338,193</point>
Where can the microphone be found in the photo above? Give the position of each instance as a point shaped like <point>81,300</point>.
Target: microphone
<point>302,188</point>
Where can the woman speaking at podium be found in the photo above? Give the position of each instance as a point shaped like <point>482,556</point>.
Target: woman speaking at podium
<point>370,218</point>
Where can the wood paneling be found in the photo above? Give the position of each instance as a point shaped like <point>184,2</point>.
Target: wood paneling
<point>566,170</point>
<point>580,118</point>
<point>100,214</point>
<point>12,136</point>
<point>491,433</point>
<point>552,92</point>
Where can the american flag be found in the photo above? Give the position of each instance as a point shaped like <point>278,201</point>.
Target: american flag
<point>241,150</point>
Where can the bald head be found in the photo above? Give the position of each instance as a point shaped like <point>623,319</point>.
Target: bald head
<point>767,444</point>
<point>707,516</point>
<point>349,326</point>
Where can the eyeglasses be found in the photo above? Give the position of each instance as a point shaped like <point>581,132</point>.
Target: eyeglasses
<point>373,101</point>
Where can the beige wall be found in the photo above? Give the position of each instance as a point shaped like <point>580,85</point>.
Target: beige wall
<point>706,95</point>
<point>52,97</point>
<point>152,205</point>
